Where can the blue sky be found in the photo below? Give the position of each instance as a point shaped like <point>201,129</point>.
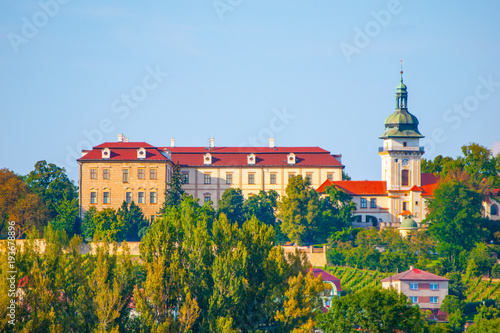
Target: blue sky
<point>76,73</point>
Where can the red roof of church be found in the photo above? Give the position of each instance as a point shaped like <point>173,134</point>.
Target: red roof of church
<point>327,277</point>
<point>357,187</point>
<point>414,274</point>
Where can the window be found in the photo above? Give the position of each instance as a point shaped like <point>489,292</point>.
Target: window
<point>208,179</point>
<point>207,198</point>
<point>128,197</point>
<point>414,299</point>
<point>433,299</point>
<point>363,202</point>
<point>405,205</point>
<point>140,197</point>
<point>152,197</point>
<point>290,175</point>
<point>494,210</point>
<point>140,173</point>
<point>273,178</point>
<point>93,173</point>
<point>152,174</point>
<point>125,175</point>
<point>413,286</point>
<point>185,178</point>
<point>416,203</point>
<point>229,178</point>
<point>329,176</point>
<point>105,173</point>
<point>309,176</point>
<point>251,178</point>
<point>405,177</point>
<point>152,218</point>
<point>405,143</point>
<point>105,197</point>
<point>434,286</point>
<point>93,197</point>
<point>373,203</point>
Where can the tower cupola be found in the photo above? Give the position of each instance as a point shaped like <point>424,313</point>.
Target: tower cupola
<point>401,124</point>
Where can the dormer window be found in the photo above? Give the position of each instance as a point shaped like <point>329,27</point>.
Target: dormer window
<point>106,153</point>
<point>207,159</point>
<point>291,159</point>
<point>141,153</point>
<point>251,159</point>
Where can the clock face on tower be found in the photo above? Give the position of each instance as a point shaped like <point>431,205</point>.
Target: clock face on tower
<point>405,162</point>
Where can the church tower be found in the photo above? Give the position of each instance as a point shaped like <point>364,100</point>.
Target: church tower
<point>401,152</point>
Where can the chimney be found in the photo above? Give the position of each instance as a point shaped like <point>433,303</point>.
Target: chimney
<point>212,142</point>
<point>122,138</point>
<point>172,142</point>
<point>271,142</point>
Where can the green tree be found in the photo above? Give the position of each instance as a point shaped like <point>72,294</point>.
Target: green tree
<point>436,166</point>
<point>300,211</point>
<point>485,326</point>
<point>486,312</point>
<point>88,225</point>
<point>52,184</point>
<point>374,310</point>
<point>262,206</point>
<point>480,260</point>
<point>454,218</point>
<point>231,205</point>
<point>108,225</point>
<point>67,216</point>
<point>338,210</point>
<point>173,190</point>
<point>302,303</point>
<point>133,221</point>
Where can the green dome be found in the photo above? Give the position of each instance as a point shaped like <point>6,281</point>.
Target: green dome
<point>408,224</point>
<point>401,86</point>
<point>401,117</point>
<point>401,124</point>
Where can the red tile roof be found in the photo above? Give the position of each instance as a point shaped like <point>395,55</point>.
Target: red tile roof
<point>123,154</point>
<point>245,150</point>
<point>429,183</point>
<point>415,188</point>
<point>415,275</point>
<point>124,145</point>
<point>406,213</point>
<point>327,277</point>
<point>221,156</point>
<point>357,187</point>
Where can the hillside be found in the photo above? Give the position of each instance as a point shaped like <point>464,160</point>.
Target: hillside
<point>353,279</point>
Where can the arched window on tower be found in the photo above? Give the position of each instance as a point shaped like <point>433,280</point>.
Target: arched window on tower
<point>494,209</point>
<point>405,178</point>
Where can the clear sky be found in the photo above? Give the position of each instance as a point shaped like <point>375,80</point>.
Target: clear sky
<point>322,73</point>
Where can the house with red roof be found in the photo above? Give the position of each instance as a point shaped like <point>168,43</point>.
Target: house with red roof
<point>113,172</point>
<point>424,289</point>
